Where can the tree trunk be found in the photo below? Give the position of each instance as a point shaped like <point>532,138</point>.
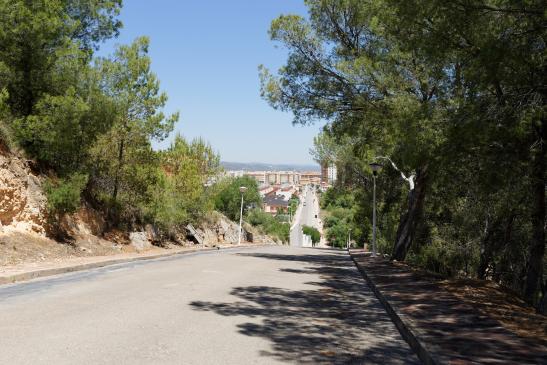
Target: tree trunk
<point>486,251</point>
<point>118,170</point>
<point>492,243</point>
<point>409,221</point>
<point>537,247</point>
<point>542,306</point>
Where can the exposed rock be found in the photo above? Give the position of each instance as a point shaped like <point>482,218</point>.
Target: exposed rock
<point>220,230</point>
<point>84,224</point>
<point>151,233</point>
<point>22,201</point>
<point>139,241</point>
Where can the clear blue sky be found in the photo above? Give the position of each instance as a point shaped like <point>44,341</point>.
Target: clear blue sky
<point>206,54</point>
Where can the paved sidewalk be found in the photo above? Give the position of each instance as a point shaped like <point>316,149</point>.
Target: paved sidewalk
<point>441,328</point>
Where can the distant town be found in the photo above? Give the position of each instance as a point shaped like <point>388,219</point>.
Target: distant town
<point>277,188</point>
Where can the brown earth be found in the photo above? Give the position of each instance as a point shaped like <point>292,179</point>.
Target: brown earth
<point>502,305</point>
<point>495,301</point>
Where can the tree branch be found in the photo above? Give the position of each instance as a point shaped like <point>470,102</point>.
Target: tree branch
<point>409,179</point>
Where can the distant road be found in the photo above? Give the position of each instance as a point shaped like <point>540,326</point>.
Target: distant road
<point>254,306</point>
<point>310,212</point>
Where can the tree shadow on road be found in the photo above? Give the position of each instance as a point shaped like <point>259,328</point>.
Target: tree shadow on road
<point>337,322</point>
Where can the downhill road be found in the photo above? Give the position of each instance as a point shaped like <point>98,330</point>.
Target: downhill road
<point>310,208</point>
<point>261,306</point>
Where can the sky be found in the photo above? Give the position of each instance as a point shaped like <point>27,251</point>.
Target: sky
<point>206,54</point>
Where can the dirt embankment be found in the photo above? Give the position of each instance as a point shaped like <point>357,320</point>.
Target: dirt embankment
<point>24,224</point>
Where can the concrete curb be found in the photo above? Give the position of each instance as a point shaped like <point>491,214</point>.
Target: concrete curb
<point>26,276</point>
<point>410,333</point>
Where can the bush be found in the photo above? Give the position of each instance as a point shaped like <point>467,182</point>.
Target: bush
<point>63,196</point>
<point>6,136</point>
<point>228,197</point>
<point>337,235</point>
<point>270,225</point>
<point>313,233</point>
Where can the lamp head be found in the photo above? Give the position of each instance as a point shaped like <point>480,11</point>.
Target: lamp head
<point>375,167</point>
<point>242,189</point>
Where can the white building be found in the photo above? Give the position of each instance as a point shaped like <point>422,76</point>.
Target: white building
<point>331,174</point>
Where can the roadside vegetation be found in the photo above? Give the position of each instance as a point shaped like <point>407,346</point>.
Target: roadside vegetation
<point>89,123</point>
<point>275,227</point>
<point>228,201</point>
<point>339,211</point>
<point>450,98</point>
<point>228,197</point>
<point>314,234</point>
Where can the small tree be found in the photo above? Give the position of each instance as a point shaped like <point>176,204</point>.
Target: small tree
<point>124,156</point>
<point>313,233</point>
<point>228,198</point>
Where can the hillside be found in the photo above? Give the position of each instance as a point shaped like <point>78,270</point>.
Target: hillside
<point>26,234</point>
<point>260,166</point>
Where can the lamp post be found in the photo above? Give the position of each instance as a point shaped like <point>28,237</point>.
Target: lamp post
<point>290,211</point>
<point>375,167</point>
<point>242,190</point>
<point>349,238</point>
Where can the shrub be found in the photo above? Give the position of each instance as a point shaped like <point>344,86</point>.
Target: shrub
<point>6,134</point>
<point>228,197</point>
<point>338,235</point>
<point>63,196</point>
<point>313,233</point>
<point>6,137</point>
<point>270,225</point>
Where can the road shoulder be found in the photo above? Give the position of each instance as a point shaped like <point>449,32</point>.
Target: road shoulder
<point>440,327</point>
<point>33,270</point>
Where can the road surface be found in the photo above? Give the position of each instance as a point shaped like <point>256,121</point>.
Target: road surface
<point>247,306</point>
<point>310,208</point>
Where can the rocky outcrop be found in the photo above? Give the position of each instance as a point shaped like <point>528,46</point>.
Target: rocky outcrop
<point>220,230</point>
<point>140,241</point>
<point>22,200</point>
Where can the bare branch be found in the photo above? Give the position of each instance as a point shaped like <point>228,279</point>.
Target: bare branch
<point>409,179</point>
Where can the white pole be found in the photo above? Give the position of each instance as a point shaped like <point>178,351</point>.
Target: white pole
<point>374,217</point>
<point>240,220</point>
<point>349,238</point>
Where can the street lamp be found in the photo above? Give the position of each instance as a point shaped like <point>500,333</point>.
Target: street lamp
<point>290,217</point>
<point>375,167</point>
<point>349,238</point>
<point>242,190</point>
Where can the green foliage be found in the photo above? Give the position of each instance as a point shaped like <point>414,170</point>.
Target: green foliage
<point>342,215</point>
<point>63,195</point>
<point>180,196</point>
<point>6,134</point>
<point>228,197</point>
<point>454,95</point>
<point>125,164</point>
<point>40,38</point>
<point>62,129</point>
<point>293,204</point>
<point>269,224</point>
<point>312,232</point>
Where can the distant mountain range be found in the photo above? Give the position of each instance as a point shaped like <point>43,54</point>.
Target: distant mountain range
<point>259,166</point>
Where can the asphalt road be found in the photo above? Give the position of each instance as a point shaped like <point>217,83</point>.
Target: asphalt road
<point>310,210</point>
<point>247,306</point>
